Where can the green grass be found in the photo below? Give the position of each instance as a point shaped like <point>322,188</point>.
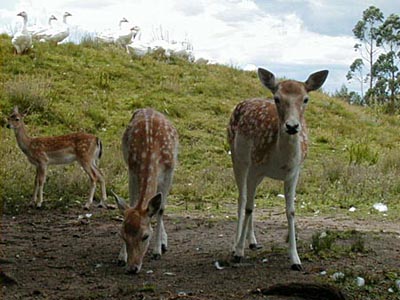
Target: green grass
<point>353,157</point>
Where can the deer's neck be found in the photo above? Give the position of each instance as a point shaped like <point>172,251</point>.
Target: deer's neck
<point>293,145</point>
<point>23,139</point>
<point>148,181</point>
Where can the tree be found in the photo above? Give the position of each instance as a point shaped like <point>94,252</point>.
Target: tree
<point>366,31</point>
<point>356,72</point>
<point>386,67</point>
<point>349,97</point>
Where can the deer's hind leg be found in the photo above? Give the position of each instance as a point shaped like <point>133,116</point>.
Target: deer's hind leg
<point>88,168</point>
<point>100,177</point>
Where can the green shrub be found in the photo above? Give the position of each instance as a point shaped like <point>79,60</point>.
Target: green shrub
<point>362,153</point>
<point>29,93</point>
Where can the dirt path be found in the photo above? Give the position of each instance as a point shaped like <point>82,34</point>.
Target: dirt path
<point>55,255</point>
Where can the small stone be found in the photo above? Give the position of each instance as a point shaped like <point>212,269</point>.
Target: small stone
<point>218,266</point>
<point>397,283</point>
<point>381,207</point>
<point>338,276</point>
<point>360,281</point>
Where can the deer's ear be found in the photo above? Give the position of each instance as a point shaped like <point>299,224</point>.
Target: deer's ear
<point>316,80</point>
<point>154,205</point>
<point>267,79</point>
<point>15,110</point>
<point>121,203</point>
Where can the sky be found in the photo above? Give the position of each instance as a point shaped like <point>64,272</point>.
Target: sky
<point>291,38</point>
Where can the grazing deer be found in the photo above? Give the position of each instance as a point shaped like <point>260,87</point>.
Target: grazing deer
<point>150,148</point>
<point>269,139</point>
<point>43,151</point>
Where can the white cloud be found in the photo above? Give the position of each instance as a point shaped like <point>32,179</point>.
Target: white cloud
<point>191,8</point>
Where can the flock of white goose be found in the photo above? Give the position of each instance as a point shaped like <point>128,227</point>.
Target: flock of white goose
<point>22,40</point>
<point>124,37</point>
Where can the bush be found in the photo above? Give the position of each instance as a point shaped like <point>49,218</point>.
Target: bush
<point>29,93</point>
<point>362,153</point>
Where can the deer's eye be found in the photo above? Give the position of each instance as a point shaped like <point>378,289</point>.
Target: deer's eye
<point>145,237</point>
<point>276,99</point>
<point>305,100</point>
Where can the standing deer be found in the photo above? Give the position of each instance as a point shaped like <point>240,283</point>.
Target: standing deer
<point>150,149</point>
<point>43,151</point>
<point>269,139</point>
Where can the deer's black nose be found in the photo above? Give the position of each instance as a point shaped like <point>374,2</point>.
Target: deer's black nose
<point>292,128</point>
<point>132,270</point>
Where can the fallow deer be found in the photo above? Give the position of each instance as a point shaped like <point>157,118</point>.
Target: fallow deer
<point>269,139</point>
<point>150,149</point>
<point>55,150</point>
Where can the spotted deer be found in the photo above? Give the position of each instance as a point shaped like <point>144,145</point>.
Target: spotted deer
<point>269,139</point>
<point>150,149</point>
<point>57,150</point>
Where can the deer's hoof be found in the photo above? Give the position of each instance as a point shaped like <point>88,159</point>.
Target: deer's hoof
<point>163,248</point>
<point>255,246</point>
<point>237,259</point>
<point>156,256</point>
<point>120,263</point>
<point>102,205</point>
<point>296,267</point>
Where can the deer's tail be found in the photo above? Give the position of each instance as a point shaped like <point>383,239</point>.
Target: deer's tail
<point>99,148</point>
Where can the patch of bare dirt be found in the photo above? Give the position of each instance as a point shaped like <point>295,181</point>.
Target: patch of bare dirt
<point>55,255</point>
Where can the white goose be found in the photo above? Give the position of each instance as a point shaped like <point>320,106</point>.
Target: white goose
<point>57,35</point>
<point>22,40</point>
<point>109,36</point>
<point>126,38</point>
<point>39,32</point>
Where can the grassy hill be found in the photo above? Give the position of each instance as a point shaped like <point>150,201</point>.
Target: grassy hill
<point>353,158</point>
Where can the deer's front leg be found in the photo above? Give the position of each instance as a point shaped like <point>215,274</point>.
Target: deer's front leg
<point>36,190</point>
<point>290,190</point>
<point>39,181</point>
<point>158,245</point>
<point>240,168</point>
<point>252,183</point>
<point>123,256</point>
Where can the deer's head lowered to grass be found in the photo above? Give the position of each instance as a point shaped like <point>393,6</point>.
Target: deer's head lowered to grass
<point>136,230</point>
<point>150,149</point>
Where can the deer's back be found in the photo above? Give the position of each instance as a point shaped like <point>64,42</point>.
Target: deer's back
<point>149,140</point>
